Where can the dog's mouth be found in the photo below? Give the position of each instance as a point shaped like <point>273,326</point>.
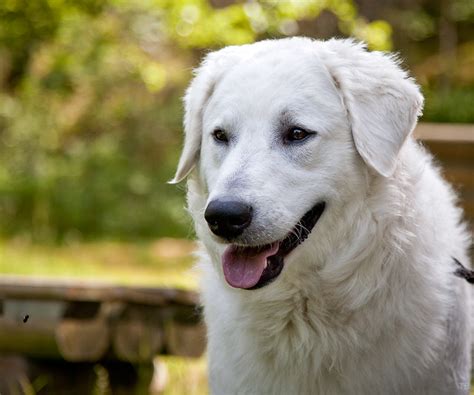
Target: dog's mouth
<point>254,267</point>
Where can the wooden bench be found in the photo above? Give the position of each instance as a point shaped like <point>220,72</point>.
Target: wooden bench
<point>86,323</point>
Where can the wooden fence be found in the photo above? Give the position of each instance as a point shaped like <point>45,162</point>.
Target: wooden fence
<point>123,328</point>
<point>453,146</point>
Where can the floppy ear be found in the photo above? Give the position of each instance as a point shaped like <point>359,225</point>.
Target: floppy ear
<point>197,95</point>
<point>382,102</point>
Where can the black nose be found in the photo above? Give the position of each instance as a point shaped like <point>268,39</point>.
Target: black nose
<point>228,218</point>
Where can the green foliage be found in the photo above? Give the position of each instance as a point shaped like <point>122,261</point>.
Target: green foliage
<point>90,108</point>
<point>86,143</point>
<point>454,106</point>
<point>25,24</point>
<point>196,24</point>
<point>90,111</point>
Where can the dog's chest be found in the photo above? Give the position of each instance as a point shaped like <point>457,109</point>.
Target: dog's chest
<point>280,345</point>
<point>302,345</point>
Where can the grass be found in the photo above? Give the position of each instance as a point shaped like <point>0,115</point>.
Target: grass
<point>186,376</point>
<point>166,262</point>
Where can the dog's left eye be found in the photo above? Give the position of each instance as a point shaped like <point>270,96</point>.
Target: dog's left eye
<point>220,135</point>
<point>297,134</point>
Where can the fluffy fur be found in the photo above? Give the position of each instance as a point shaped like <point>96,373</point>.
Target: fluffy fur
<point>368,304</point>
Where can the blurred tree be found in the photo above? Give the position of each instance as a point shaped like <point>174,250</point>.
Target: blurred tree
<point>25,24</point>
<point>437,39</point>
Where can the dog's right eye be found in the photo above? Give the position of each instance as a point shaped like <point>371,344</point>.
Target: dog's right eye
<point>297,134</point>
<point>220,135</point>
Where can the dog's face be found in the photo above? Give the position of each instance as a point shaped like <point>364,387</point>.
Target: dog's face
<point>275,141</point>
<point>276,146</point>
<point>279,143</point>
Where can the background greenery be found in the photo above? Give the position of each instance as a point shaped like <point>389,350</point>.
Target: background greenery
<point>90,108</point>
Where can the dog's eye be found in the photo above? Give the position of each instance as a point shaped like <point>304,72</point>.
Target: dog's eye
<point>220,135</point>
<point>296,134</point>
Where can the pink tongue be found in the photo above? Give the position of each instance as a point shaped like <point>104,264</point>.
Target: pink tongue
<point>243,266</point>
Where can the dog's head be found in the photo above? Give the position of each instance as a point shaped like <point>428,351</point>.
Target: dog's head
<point>282,133</point>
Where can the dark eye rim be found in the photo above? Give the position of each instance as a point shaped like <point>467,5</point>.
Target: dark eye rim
<point>220,136</point>
<point>287,136</point>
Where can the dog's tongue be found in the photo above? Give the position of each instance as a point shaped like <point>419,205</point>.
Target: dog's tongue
<point>243,266</point>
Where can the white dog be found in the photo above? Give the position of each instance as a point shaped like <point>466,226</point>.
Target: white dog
<point>328,235</point>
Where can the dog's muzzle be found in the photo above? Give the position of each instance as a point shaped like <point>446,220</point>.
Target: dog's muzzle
<point>250,266</point>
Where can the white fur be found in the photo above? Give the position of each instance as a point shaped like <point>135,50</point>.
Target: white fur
<point>368,304</point>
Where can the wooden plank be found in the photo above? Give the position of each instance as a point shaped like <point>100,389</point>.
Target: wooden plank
<point>23,287</point>
<point>82,340</point>
<point>446,132</point>
<point>33,312</point>
<point>460,176</point>
<point>137,341</point>
<point>185,340</point>
<point>452,152</point>
<point>30,339</point>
